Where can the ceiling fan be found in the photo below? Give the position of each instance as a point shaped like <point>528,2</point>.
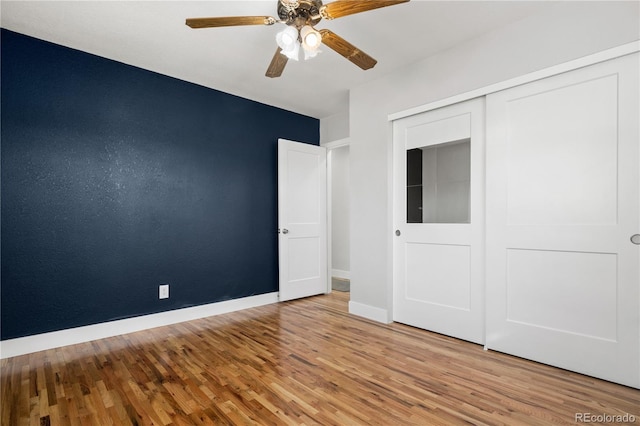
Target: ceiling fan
<point>301,16</point>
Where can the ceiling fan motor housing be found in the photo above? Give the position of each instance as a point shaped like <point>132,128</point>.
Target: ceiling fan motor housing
<point>307,13</point>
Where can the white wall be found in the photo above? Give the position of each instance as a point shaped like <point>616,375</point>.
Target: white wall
<point>336,126</point>
<point>559,33</point>
<point>340,226</point>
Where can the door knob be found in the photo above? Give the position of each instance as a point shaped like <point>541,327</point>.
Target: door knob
<point>635,239</point>
<point>398,233</point>
<point>285,231</point>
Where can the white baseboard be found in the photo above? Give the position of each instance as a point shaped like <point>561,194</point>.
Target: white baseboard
<point>369,312</point>
<point>72,336</point>
<point>338,273</point>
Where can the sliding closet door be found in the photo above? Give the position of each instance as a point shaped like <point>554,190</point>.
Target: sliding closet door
<point>439,220</point>
<point>563,193</point>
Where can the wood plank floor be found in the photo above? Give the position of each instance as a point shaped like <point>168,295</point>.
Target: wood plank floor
<point>300,362</point>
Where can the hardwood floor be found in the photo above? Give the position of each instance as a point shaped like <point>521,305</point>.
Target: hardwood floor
<point>301,362</point>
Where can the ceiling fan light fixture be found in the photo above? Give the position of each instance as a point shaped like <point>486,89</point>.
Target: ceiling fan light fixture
<point>293,53</point>
<point>310,37</point>
<point>310,41</point>
<point>287,40</point>
<point>287,37</point>
<point>308,54</point>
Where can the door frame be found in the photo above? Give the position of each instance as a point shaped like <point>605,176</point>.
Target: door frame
<point>330,146</point>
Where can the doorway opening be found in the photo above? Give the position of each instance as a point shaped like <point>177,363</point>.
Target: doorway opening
<point>339,215</point>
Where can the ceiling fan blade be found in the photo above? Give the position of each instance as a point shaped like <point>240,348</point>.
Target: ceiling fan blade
<point>277,64</point>
<point>346,49</point>
<point>341,8</point>
<point>229,21</point>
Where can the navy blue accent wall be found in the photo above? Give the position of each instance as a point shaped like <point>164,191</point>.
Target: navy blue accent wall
<point>116,180</point>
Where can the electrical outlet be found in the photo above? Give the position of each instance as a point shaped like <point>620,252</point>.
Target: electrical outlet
<point>163,291</point>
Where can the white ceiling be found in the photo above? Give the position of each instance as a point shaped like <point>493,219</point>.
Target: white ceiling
<point>152,35</point>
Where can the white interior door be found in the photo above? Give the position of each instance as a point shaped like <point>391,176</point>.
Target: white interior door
<point>563,194</point>
<point>302,219</point>
<point>438,166</point>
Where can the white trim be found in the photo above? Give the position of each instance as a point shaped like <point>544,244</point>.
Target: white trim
<point>329,219</point>
<point>391,221</point>
<point>72,336</point>
<point>369,312</point>
<point>605,55</point>
<point>339,273</point>
<point>336,144</point>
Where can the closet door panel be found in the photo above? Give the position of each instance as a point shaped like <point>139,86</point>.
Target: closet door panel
<point>563,195</point>
<point>439,220</point>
